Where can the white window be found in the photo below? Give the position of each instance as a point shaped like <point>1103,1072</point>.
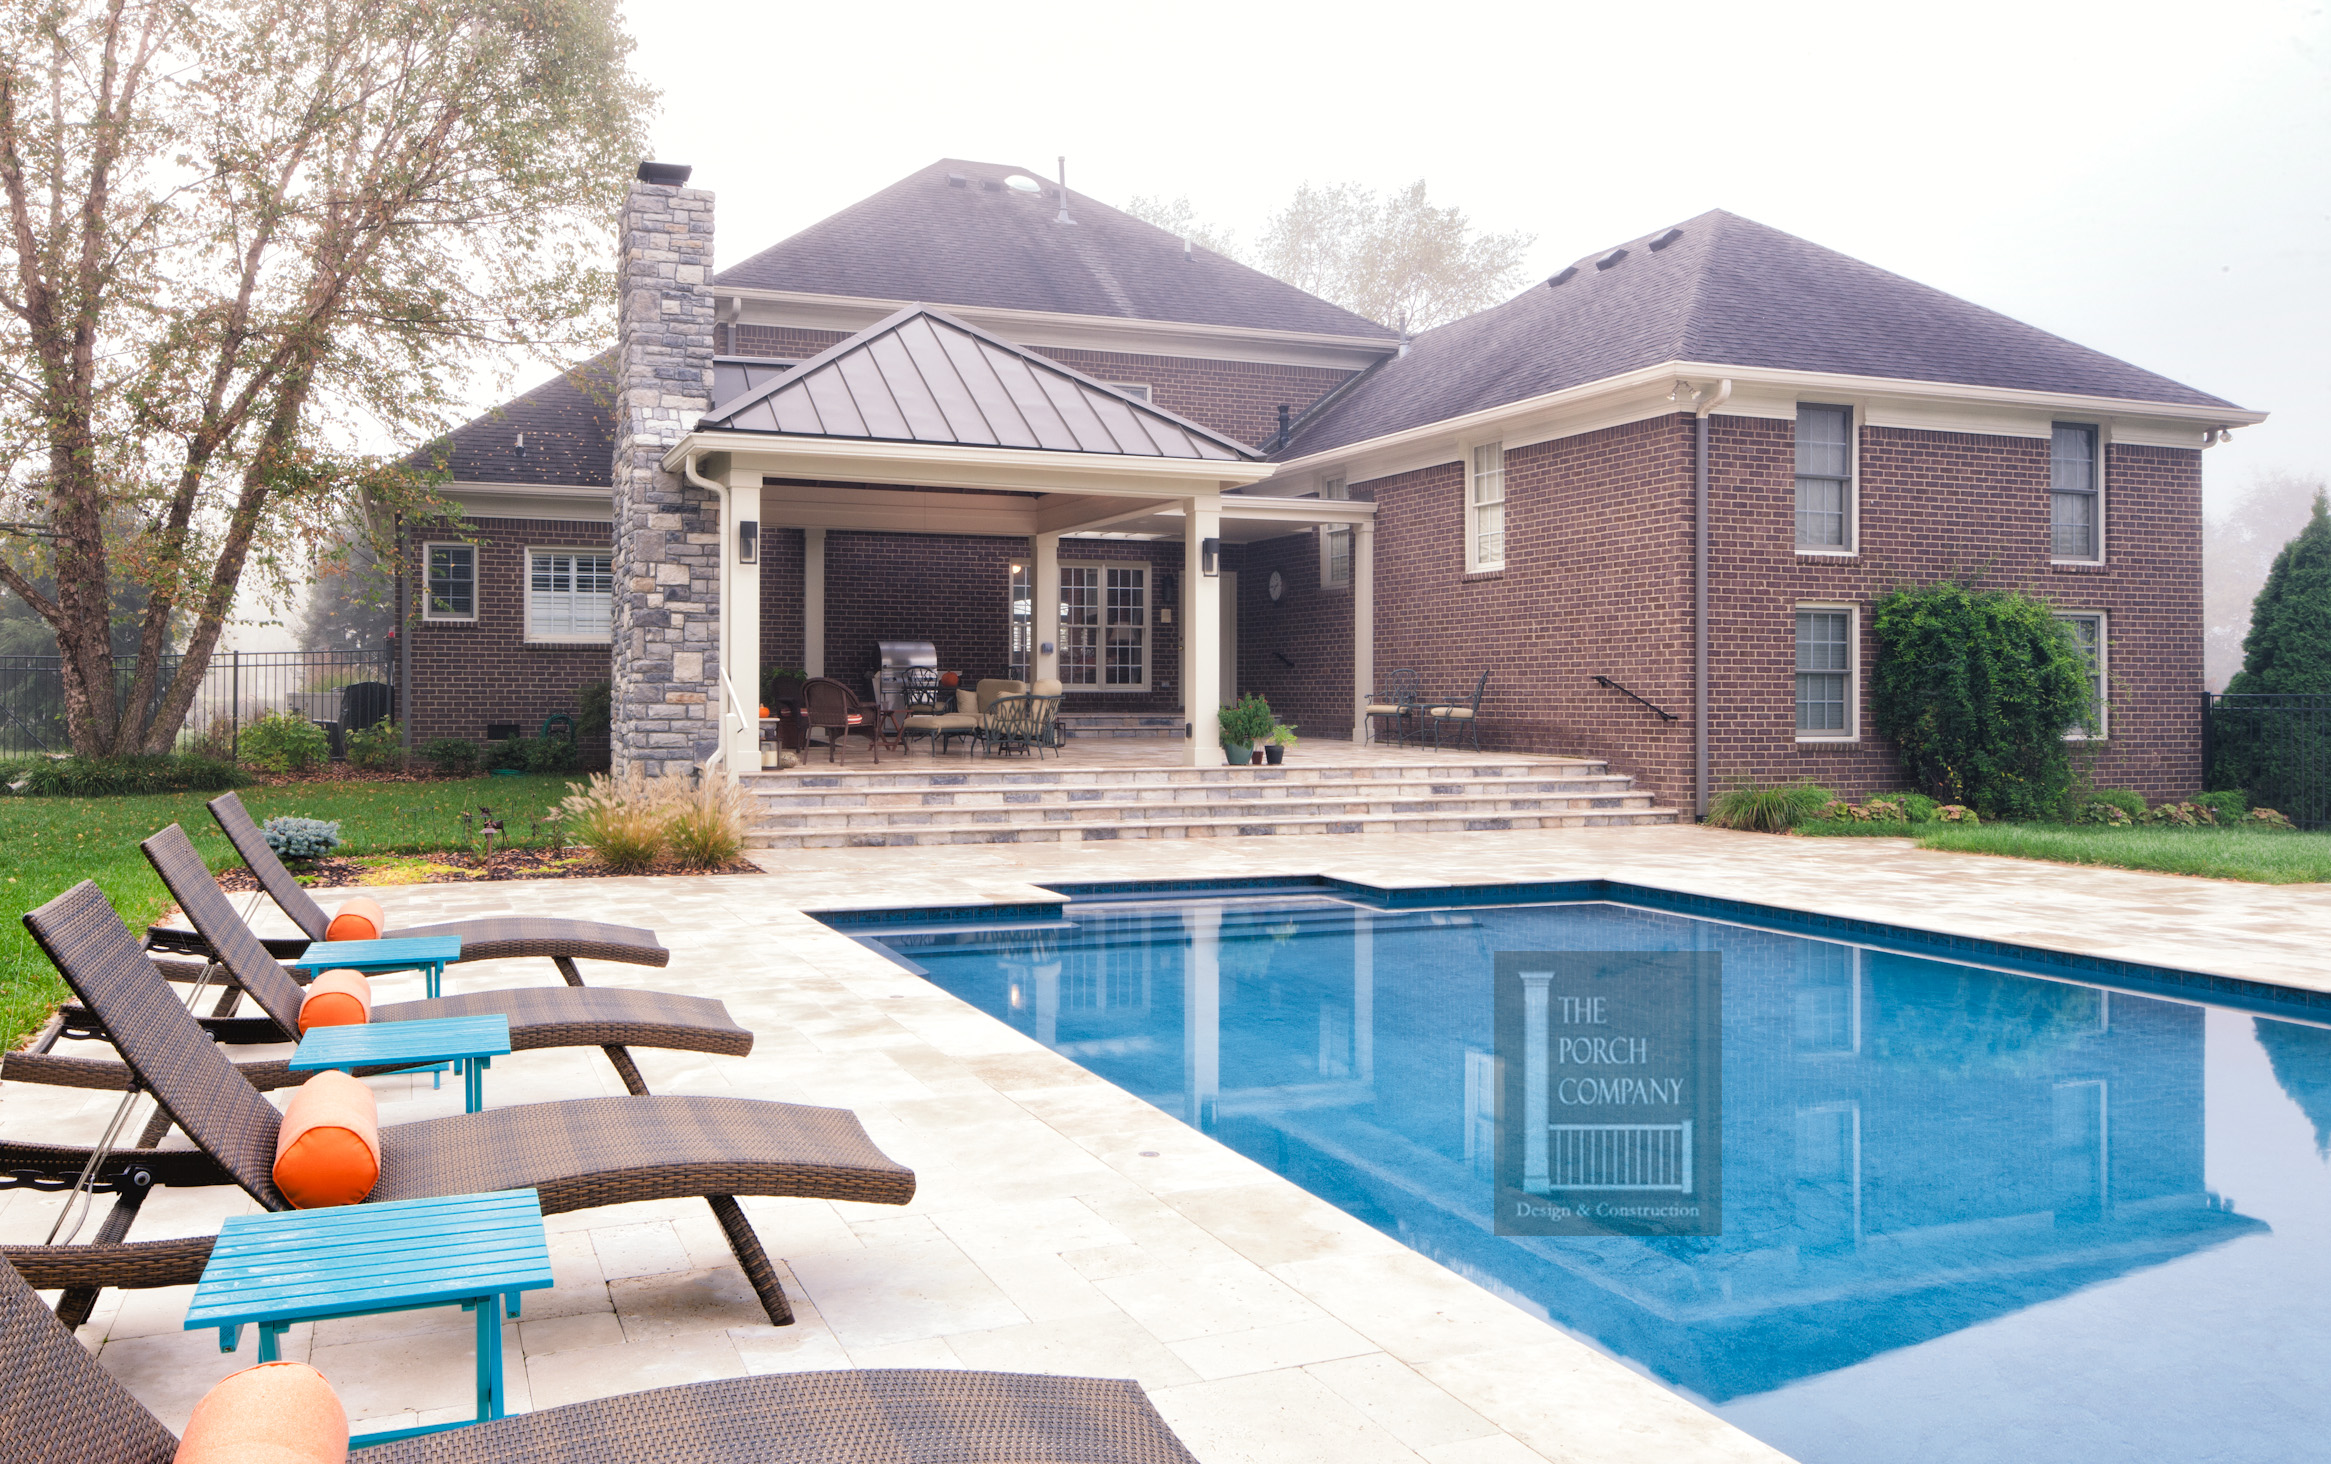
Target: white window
<point>1485,509</point>
<point>1138,390</point>
<point>570,595</point>
<point>1104,626</point>
<point>452,571</point>
<point>1020,654</point>
<point>1335,541</point>
<point>2075,498</point>
<point>2088,631</point>
<point>1825,674</point>
<point>1825,479</point>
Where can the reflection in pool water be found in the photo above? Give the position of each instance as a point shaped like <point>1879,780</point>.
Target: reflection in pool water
<point>1967,1215</point>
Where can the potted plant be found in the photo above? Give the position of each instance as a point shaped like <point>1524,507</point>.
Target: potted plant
<point>1282,738</point>
<point>1243,725</point>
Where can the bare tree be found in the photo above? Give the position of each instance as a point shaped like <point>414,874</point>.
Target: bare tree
<point>1398,259</point>
<point>1176,216</point>
<point>2238,548</point>
<point>241,239</point>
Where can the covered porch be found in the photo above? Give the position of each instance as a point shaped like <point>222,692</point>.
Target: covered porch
<point>939,484</point>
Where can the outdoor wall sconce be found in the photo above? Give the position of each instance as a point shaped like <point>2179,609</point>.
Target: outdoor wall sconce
<point>1210,557</point>
<point>1044,649</point>
<point>748,541</point>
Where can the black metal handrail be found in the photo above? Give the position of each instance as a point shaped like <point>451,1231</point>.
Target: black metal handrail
<point>1664,714</point>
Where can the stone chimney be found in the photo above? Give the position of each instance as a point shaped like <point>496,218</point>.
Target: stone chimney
<point>667,534</point>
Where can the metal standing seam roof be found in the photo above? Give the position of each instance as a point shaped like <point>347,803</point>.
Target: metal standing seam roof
<point>923,376</point>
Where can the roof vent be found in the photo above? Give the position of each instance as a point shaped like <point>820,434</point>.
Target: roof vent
<point>1665,239</point>
<point>958,180</point>
<point>670,175</point>
<point>1610,259</point>
<point>1568,273</point>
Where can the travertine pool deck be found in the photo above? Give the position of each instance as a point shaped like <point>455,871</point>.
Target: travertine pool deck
<point>1060,1223</point>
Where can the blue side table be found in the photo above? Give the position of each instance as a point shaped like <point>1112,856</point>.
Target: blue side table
<point>469,1043</point>
<point>430,955</point>
<point>361,1260</point>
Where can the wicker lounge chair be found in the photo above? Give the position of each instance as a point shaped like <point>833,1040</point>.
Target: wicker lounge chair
<point>58,1405</point>
<point>493,938</point>
<point>606,1017</point>
<point>828,704</point>
<point>579,1153</point>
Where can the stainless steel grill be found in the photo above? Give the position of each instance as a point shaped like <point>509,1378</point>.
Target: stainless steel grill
<point>895,658</point>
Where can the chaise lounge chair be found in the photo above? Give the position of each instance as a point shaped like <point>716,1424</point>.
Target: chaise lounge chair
<point>579,1153</point>
<point>492,938</point>
<point>607,1017</point>
<point>58,1405</point>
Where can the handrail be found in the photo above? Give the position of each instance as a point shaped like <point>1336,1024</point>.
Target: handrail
<point>1664,714</point>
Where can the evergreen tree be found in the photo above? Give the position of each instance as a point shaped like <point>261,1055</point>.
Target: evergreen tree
<point>2289,645</point>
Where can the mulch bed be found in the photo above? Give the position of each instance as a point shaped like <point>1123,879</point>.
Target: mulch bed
<point>455,867</point>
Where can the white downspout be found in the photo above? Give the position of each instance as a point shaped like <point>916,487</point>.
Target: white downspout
<point>1708,403</point>
<point>728,693</point>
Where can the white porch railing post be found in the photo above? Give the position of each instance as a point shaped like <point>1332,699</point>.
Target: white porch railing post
<point>1363,624</point>
<point>1044,615</point>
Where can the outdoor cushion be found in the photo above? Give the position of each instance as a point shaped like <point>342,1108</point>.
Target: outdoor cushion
<point>357,919</point>
<point>943,722</point>
<point>275,1413</point>
<point>1047,687</point>
<point>336,999</point>
<point>328,1150</point>
<point>1455,712</point>
<point>967,702</point>
<point>995,689</point>
<point>1385,709</point>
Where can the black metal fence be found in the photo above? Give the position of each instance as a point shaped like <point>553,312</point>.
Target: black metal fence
<point>2275,748</point>
<point>341,688</point>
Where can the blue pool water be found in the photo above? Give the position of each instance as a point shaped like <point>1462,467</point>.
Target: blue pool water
<point>1967,1215</point>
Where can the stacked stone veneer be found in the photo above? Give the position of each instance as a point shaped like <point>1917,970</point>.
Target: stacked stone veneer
<point>666,534</point>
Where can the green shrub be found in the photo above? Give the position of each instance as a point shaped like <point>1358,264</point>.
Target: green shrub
<point>1956,813</point>
<point>2098,812</point>
<point>300,838</point>
<point>283,742</point>
<point>1917,806</point>
<point>2182,815</point>
<point>381,745</point>
<point>2127,800</point>
<point>109,777</point>
<point>1977,688</point>
<point>2229,805</point>
<point>1247,723</point>
<point>771,676</point>
<point>1768,810</point>
<point>594,707</point>
<point>453,757</point>
<point>530,755</point>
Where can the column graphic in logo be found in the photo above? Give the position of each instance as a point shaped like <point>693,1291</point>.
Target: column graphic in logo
<point>1610,1093</point>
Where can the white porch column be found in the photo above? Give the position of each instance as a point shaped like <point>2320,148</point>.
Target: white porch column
<point>1044,614</point>
<point>740,621</point>
<point>813,602</point>
<point>1201,632</point>
<point>1363,623</point>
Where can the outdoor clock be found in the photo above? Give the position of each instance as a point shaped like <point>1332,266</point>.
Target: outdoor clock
<point>1278,586</point>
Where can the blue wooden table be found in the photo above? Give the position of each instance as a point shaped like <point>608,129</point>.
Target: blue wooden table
<point>469,1043</point>
<point>360,1260</point>
<point>430,955</point>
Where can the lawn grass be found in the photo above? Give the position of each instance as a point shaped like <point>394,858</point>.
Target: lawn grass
<point>48,845</point>
<point>2260,856</point>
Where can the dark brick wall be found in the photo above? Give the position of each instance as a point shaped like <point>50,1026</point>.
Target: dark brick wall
<point>781,598</point>
<point>1598,581</point>
<point>1237,398</point>
<point>467,674</point>
<point>1310,627</point>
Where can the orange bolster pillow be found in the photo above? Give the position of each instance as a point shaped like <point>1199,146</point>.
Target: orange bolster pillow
<point>275,1413</point>
<point>336,999</point>
<point>328,1150</point>
<point>358,919</point>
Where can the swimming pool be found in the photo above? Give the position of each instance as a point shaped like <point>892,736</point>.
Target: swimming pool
<point>1972,1206</point>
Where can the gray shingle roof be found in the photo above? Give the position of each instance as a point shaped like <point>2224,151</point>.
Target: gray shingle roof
<point>983,244</point>
<point>1727,291</point>
<point>924,376</point>
<point>569,423</point>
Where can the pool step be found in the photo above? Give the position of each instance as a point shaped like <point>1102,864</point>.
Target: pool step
<point>979,802</point>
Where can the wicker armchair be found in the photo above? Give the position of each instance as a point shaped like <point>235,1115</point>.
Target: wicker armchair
<point>829,704</point>
<point>1396,704</point>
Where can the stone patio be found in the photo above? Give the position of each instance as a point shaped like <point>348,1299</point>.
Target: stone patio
<point>1062,1224</point>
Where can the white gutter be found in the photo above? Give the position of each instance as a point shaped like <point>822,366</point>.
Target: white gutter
<point>1709,403</point>
<point>728,693</point>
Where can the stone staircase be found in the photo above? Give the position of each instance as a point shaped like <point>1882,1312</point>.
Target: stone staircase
<point>1005,802</point>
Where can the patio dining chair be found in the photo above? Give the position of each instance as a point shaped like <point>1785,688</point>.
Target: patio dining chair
<point>1459,716</point>
<point>491,938</point>
<point>577,1153</point>
<point>1022,723</point>
<point>827,703</point>
<point>59,1405</point>
<point>1395,703</point>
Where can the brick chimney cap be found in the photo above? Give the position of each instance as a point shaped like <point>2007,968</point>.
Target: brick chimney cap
<point>670,174</point>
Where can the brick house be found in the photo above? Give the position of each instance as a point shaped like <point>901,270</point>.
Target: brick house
<point>1654,496</point>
